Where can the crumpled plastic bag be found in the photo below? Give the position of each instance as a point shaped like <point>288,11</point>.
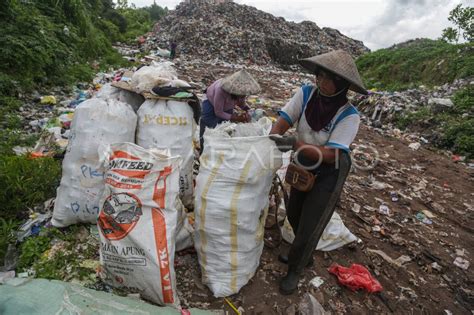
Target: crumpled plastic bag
<point>144,79</point>
<point>356,277</point>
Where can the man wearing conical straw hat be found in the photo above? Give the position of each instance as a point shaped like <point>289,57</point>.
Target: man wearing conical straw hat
<point>223,96</point>
<point>326,126</point>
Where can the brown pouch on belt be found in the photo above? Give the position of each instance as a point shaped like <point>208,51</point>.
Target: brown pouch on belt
<point>299,178</point>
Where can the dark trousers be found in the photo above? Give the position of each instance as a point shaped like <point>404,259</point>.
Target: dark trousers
<point>209,120</point>
<point>310,212</point>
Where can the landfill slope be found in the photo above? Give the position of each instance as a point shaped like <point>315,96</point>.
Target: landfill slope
<point>242,34</point>
<point>411,251</point>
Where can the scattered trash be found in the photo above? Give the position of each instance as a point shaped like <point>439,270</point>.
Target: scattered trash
<point>436,266</point>
<point>384,209</point>
<point>414,146</point>
<point>232,306</point>
<point>356,277</point>
<point>310,306</point>
<point>32,226</point>
<point>48,100</point>
<point>428,214</point>
<point>461,263</point>
<point>423,218</point>
<point>356,208</point>
<point>394,196</point>
<point>396,262</point>
<point>317,282</point>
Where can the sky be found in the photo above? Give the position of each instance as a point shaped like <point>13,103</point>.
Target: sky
<point>378,23</point>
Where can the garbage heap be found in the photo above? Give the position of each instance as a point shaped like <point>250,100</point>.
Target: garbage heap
<point>242,34</point>
<point>383,109</point>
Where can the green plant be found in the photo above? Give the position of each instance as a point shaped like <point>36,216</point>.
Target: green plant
<point>455,126</point>
<point>31,250</point>
<point>7,235</point>
<point>416,62</point>
<point>25,183</point>
<point>463,19</point>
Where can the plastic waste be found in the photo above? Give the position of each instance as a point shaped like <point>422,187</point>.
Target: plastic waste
<point>423,218</point>
<point>317,282</point>
<point>48,100</point>
<point>356,277</point>
<point>310,306</point>
<point>41,296</point>
<point>461,263</point>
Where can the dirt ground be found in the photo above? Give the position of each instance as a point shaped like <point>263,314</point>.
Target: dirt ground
<point>424,179</point>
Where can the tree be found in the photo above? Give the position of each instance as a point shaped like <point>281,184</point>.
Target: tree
<point>156,12</point>
<point>463,20</point>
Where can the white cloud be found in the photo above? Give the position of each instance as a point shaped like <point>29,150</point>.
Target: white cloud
<point>377,23</point>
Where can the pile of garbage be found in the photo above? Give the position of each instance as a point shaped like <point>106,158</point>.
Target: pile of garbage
<point>238,33</point>
<point>383,109</point>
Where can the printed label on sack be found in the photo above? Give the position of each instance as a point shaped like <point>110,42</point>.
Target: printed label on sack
<point>120,213</point>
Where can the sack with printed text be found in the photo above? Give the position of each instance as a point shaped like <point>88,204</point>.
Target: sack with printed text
<point>137,222</point>
<point>96,123</point>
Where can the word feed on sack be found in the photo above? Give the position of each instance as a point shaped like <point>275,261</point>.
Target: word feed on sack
<point>138,220</point>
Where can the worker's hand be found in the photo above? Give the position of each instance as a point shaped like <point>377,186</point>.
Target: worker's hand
<point>247,117</point>
<point>284,143</point>
<point>239,118</point>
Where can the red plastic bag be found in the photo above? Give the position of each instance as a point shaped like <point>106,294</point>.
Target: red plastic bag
<point>356,277</point>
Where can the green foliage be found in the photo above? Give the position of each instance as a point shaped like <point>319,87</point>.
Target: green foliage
<point>138,21</point>
<point>463,19</point>
<point>420,62</point>
<point>455,126</point>
<point>54,42</point>
<point>59,254</point>
<point>25,183</point>
<point>7,235</point>
<point>32,249</point>
<point>156,12</point>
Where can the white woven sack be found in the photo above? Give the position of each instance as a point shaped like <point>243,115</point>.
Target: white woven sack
<point>232,187</point>
<point>96,123</point>
<point>110,92</point>
<point>170,125</point>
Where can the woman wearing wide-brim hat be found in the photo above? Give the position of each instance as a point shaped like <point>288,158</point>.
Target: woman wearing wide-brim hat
<point>326,125</point>
<point>223,96</point>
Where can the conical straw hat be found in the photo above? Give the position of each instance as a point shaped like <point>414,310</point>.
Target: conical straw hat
<point>240,83</point>
<point>340,63</point>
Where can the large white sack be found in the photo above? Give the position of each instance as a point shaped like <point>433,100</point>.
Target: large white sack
<point>167,124</point>
<point>96,123</point>
<point>335,235</point>
<point>137,222</point>
<point>110,92</point>
<point>232,187</point>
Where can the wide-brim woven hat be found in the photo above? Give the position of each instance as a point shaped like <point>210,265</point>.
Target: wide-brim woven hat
<point>240,83</point>
<point>339,63</point>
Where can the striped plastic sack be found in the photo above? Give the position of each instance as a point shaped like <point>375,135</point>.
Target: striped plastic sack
<point>231,204</point>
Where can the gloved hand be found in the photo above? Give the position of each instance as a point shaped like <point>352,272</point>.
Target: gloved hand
<point>284,143</point>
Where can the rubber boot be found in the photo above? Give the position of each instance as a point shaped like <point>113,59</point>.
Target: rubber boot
<point>284,259</point>
<point>289,283</point>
